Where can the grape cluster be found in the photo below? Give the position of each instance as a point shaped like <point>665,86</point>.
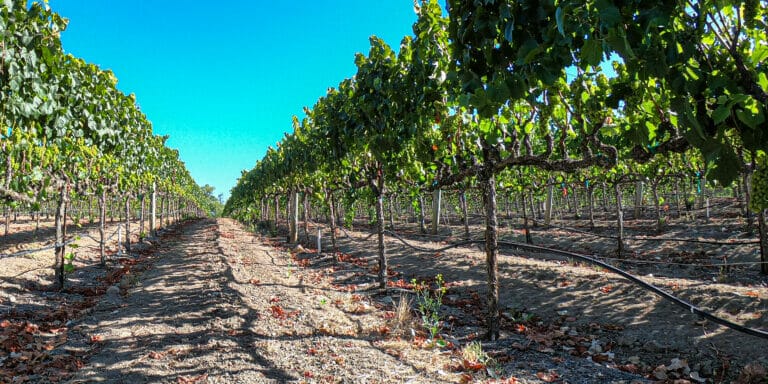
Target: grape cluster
<point>759,197</point>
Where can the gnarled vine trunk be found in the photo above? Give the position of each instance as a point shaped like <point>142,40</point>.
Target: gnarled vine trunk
<point>422,226</point>
<point>277,210</point>
<point>746,182</point>
<point>465,215</point>
<point>526,226</point>
<point>153,209</point>
<point>128,223</point>
<point>293,217</point>
<point>7,220</point>
<point>143,217</point>
<point>549,202</point>
<point>488,186</point>
<point>575,193</point>
<point>61,233</point>
<point>380,231</point>
<point>657,206</point>
<point>306,214</point>
<point>437,197</point>
<point>332,216</point>
<point>619,219</point>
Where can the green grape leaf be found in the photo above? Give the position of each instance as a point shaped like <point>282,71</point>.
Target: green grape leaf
<point>726,167</point>
<point>560,19</point>
<point>592,52</point>
<point>721,113</point>
<point>750,119</point>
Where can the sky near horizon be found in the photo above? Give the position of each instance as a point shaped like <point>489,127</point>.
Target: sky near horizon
<point>223,79</point>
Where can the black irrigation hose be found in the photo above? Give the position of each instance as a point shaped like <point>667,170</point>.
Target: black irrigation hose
<point>645,285</point>
<point>718,265</point>
<point>420,249</point>
<point>467,242</point>
<point>650,238</point>
<point>536,222</point>
<point>352,238</point>
<point>674,299</point>
<point>712,242</point>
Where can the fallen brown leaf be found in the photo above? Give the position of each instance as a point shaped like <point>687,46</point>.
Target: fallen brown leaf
<point>191,380</point>
<point>548,377</point>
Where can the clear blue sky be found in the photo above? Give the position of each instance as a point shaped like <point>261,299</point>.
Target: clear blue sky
<point>224,78</point>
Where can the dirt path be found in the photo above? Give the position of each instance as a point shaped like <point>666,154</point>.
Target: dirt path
<point>218,307</point>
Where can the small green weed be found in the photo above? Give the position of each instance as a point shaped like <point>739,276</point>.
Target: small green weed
<point>429,303</point>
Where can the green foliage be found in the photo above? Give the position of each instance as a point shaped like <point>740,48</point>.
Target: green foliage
<point>69,258</point>
<point>349,217</point>
<point>690,201</point>
<point>759,193</point>
<point>511,91</point>
<point>667,87</point>
<point>429,302</point>
<point>473,352</point>
<point>66,123</point>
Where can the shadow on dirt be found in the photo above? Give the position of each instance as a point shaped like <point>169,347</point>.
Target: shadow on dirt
<point>176,321</point>
<point>558,302</point>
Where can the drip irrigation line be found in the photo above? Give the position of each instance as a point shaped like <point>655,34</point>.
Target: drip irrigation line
<point>438,236</point>
<point>715,265</point>
<point>643,284</point>
<point>536,222</point>
<point>395,235</point>
<point>352,238</point>
<point>648,286</point>
<point>712,242</point>
<point>453,245</point>
<point>467,242</point>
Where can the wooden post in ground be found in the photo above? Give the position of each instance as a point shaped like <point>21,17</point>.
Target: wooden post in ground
<point>153,208</point>
<point>436,200</point>
<point>548,203</point>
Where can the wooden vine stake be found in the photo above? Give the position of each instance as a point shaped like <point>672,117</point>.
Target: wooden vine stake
<point>153,208</point>
<point>102,219</point>
<point>763,250</point>
<point>437,197</point>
